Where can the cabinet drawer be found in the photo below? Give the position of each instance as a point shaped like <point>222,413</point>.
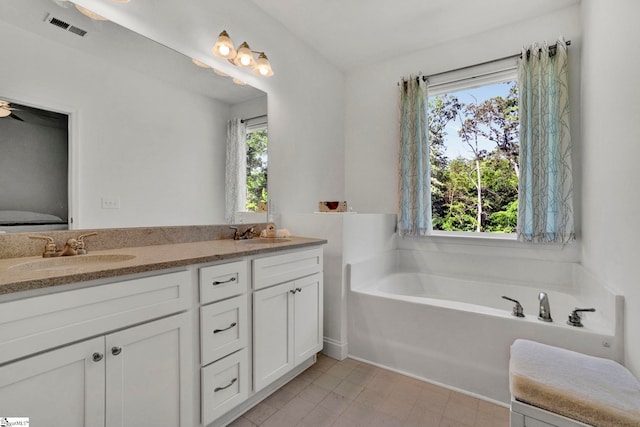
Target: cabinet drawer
<point>223,281</point>
<point>35,324</point>
<point>225,384</point>
<point>276,269</point>
<point>223,328</point>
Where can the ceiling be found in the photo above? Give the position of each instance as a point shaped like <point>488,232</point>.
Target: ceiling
<point>352,33</point>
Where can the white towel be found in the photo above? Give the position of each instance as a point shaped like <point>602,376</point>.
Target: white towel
<point>596,391</point>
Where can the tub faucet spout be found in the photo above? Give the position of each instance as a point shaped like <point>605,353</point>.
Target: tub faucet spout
<point>545,312</point>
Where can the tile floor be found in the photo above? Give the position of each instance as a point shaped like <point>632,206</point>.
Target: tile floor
<point>349,393</point>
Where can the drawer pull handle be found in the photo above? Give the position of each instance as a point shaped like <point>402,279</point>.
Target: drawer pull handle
<point>215,331</point>
<point>217,389</point>
<point>116,350</point>
<point>218,282</point>
<point>97,356</point>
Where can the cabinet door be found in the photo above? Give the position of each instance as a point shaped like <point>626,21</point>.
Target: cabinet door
<point>308,309</point>
<point>63,387</point>
<point>147,374</point>
<point>272,334</point>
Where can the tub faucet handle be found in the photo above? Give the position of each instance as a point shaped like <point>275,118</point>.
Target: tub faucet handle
<point>518,311</point>
<point>575,319</point>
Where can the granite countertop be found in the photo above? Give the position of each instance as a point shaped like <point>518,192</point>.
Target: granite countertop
<point>17,274</point>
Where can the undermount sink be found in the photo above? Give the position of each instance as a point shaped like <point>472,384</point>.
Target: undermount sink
<point>68,262</point>
<point>266,240</point>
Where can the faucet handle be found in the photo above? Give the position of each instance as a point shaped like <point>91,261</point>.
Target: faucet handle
<point>518,311</point>
<point>81,247</point>
<point>50,249</point>
<point>575,319</point>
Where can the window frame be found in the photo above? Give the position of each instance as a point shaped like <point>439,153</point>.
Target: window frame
<point>470,77</point>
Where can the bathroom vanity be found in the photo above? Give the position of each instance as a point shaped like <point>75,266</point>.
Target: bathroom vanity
<point>185,334</point>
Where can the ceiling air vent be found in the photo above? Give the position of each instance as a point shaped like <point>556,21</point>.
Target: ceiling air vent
<point>65,25</point>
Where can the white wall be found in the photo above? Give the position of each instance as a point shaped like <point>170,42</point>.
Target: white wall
<point>157,148</point>
<point>305,95</point>
<point>611,151</point>
<point>371,124</point>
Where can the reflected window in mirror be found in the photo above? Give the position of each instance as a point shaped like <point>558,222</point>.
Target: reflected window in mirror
<point>257,161</point>
<point>34,169</point>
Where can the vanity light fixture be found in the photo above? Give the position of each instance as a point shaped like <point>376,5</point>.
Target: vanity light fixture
<point>199,63</point>
<point>5,109</point>
<point>91,14</point>
<point>243,56</point>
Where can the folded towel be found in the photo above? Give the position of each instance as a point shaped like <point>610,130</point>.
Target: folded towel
<point>596,391</point>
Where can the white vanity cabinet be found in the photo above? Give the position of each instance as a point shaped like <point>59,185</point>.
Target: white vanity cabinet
<point>123,376</point>
<point>224,331</point>
<point>287,313</point>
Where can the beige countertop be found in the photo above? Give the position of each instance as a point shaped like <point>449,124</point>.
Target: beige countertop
<point>22,274</point>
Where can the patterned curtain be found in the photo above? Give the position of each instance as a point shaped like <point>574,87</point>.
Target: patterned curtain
<point>545,205</point>
<point>414,218</point>
<point>235,196</point>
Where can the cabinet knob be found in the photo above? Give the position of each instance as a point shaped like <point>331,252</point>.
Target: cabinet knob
<point>97,356</point>
<point>298,289</point>
<point>293,291</point>
<point>116,350</point>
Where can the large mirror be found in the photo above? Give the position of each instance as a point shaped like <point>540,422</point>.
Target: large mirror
<point>147,128</point>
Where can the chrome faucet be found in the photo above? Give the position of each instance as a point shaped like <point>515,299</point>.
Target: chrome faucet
<point>545,312</point>
<point>246,234</point>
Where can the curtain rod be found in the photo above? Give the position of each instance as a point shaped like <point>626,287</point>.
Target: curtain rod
<point>517,55</point>
<point>252,118</point>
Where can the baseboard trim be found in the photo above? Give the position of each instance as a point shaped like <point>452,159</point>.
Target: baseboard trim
<point>335,349</point>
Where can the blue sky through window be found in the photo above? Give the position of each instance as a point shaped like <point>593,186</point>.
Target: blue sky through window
<point>454,145</point>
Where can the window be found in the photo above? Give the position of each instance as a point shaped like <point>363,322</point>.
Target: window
<point>474,143</point>
<point>257,137</point>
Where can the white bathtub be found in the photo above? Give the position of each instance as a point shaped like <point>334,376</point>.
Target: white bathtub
<point>457,332</point>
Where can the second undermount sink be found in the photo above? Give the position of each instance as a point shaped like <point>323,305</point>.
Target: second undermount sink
<point>68,262</point>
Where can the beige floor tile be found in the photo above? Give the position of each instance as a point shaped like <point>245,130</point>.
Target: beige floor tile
<point>360,413</point>
<point>350,393</point>
<point>318,417</point>
<point>324,363</point>
<point>360,377</point>
<point>296,385</point>
<point>384,420</point>
<point>371,397</point>
<point>423,417</point>
<point>327,381</point>
<point>447,422</point>
<point>335,403</point>
<point>313,393</point>
<point>259,413</point>
<point>495,419</point>
<point>280,419</point>
<point>432,400</point>
<point>463,399</point>
<point>339,370</point>
<point>242,422</point>
<point>310,374</point>
<point>395,408</point>
<point>297,408</point>
<point>461,413</point>
<point>348,390</point>
<point>279,398</point>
